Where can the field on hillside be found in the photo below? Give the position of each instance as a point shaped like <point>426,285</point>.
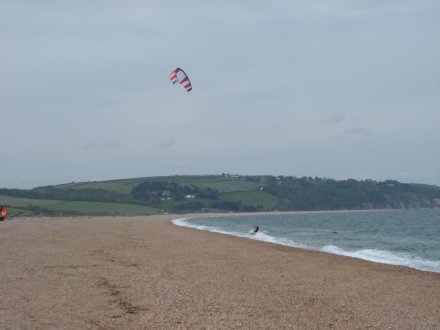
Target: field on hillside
<point>31,207</point>
<point>222,184</point>
<point>230,189</point>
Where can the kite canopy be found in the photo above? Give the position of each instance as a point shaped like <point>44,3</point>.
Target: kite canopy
<point>178,75</point>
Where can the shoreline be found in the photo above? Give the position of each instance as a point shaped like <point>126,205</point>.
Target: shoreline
<point>145,272</point>
<point>338,251</point>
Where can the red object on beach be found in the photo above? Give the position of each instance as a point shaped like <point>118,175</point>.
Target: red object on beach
<point>4,212</point>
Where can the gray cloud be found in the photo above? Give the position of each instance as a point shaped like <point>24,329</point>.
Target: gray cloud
<point>335,119</point>
<point>96,144</point>
<point>166,144</point>
<point>359,130</point>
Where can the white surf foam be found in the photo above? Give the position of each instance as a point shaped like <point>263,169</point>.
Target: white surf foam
<point>260,236</point>
<point>386,257</point>
<point>183,222</point>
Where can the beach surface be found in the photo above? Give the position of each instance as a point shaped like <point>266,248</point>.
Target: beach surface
<point>146,273</point>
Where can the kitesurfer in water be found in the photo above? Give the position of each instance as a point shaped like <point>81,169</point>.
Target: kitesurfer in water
<point>256,229</point>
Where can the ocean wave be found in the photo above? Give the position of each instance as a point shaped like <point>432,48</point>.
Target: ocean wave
<point>183,222</point>
<point>386,257</point>
<point>259,236</point>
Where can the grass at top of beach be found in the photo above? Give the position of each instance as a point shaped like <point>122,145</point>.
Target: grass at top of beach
<point>25,206</point>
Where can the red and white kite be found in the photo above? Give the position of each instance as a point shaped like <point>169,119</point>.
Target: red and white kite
<point>178,75</point>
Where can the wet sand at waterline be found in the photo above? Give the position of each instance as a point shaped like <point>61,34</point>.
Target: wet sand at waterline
<point>146,273</point>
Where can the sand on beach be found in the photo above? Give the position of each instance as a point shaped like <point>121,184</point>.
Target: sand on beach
<point>146,273</point>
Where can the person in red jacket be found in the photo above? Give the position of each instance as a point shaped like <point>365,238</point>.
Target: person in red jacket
<point>3,213</point>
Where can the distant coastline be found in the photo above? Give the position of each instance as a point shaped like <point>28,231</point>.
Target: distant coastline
<point>216,193</point>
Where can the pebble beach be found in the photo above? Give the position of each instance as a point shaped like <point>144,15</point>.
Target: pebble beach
<point>146,273</point>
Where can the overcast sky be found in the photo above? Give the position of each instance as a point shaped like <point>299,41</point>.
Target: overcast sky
<point>337,89</point>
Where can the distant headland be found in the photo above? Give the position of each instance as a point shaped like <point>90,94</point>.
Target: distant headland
<point>216,193</point>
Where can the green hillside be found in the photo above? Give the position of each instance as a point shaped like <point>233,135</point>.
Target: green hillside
<point>153,195</point>
<point>18,206</point>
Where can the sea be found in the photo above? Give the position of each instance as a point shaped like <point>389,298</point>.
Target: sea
<point>399,237</point>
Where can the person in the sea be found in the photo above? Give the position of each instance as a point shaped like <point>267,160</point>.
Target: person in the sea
<point>256,229</point>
